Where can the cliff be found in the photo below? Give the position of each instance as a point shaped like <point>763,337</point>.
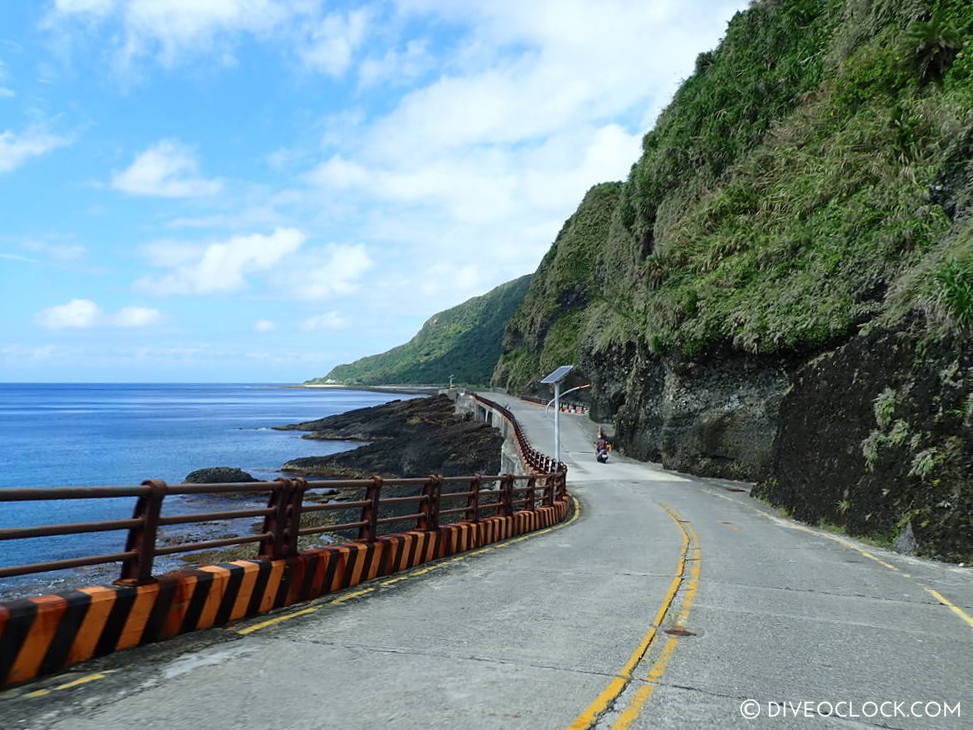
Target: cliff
<point>782,289</point>
<point>463,341</point>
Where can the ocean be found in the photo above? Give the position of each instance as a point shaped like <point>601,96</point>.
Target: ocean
<point>121,434</point>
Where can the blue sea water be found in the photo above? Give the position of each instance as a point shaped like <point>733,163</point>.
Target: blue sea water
<point>121,434</point>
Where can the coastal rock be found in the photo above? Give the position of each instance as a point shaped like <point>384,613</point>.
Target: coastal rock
<point>218,475</point>
<point>409,438</point>
<point>362,424</point>
<point>414,438</point>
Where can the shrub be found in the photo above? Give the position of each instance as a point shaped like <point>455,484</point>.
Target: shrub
<point>954,296</point>
<point>930,47</point>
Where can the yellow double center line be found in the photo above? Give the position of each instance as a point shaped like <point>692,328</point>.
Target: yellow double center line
<point>688,553</point>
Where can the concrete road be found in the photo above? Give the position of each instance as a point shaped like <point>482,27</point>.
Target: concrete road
<point>669,602</point>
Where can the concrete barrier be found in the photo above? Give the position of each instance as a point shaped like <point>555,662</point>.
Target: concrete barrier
<point>43,635</point>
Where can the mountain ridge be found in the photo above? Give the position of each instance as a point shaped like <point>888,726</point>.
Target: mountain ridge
<point>462,341</point>
<point>790,259</point>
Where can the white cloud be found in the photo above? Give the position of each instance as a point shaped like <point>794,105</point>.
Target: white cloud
<point>172,30</point>
<point>19,353</point>
<point>472,173</point>
<point>223,266</point>
<point>167,169</point>
<point>76,314</point>
<point>136,317</point>
<point>168,253</point>
<point>5,91</point>
<point>337,271</point>
<point>398,67</point>
<point>17,257</point>
<point>452,279</point>
<point>57,251</point>
<point>515,187</point>
<point>84,313</point>
<point>264,325</point>
<point>17,148</point>
<point>94,7</point>
<point>330,43</point>
<point>326,321</point>
<point>340,173</point>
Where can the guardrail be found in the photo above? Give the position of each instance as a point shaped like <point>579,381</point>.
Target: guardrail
<point>566,406</point>
<point>45,634</point>
<point>536,461</point>
<point>282,517</point>
<point>286,506</point>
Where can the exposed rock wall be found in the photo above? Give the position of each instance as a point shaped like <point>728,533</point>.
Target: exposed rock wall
<point>782,289</point>
<point>877,435</point>
<point>717,418</point>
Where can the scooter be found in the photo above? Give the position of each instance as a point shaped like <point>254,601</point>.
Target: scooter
<point>602,455</point>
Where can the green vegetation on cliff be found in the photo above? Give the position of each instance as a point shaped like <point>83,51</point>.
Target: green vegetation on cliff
<point>544,331</point>
<point>463,341</point>
<point>787,195</point>
<point>808,192</point>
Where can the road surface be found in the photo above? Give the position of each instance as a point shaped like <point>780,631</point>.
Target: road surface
<point>670,601</point>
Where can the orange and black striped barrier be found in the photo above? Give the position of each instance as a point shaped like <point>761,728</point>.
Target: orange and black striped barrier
<point>46,634</point>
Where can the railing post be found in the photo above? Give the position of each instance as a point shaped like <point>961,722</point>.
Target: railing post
<point>562,484</point>
<point>549,484</point>
<point>369,512</point>
<point>529,494</point>
<point>429,517</point>
<point>473,501</point>
<point>294,508</point>
<point>507,495</point>
<point>274,546</point>
<point>137,570</point>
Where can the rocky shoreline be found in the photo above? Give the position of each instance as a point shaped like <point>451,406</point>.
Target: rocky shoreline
<point>410,438</point>
<point>404,438</point>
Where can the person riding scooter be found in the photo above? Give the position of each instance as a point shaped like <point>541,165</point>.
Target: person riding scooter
<point>602,448</point>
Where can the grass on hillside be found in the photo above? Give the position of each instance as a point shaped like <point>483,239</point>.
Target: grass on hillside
<point>804,179</point>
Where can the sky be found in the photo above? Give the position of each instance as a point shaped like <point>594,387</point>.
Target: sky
<point>258,190</point>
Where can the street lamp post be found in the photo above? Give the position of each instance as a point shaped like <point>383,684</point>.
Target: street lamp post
<point>556,402</point>
<point>555,379</point>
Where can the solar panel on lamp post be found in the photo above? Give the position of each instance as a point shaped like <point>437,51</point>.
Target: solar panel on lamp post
<point>555,379</point>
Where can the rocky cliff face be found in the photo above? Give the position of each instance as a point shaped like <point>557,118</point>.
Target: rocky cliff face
<point>877,435</point>
<point>716,417</point>
<point>782,290</point>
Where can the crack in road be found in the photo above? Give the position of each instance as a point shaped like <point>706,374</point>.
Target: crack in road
<point>910,601</point>
<point>445,655</point>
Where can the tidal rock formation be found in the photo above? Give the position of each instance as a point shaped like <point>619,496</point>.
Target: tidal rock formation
<point>218,475</point>
<point>410,438</point>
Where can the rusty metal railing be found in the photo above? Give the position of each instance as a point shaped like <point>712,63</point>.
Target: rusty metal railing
<point>536,461</point>
<point>479,497</point>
